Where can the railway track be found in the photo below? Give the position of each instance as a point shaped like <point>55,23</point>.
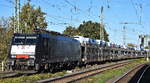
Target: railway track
<point>17,74</point>
<point>82,74</point>
<point>134,75</point>
<point>145,76</point>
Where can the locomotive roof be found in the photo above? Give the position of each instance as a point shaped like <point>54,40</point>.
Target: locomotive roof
<point>58,37</point>
<point>47,35</point>
<point>24,34</point>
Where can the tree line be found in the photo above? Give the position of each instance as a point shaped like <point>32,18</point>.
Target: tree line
<point>87,29</point>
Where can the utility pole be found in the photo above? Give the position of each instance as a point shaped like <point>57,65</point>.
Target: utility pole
<point>141,10</point>
<point>101,23</point>
<point>124,30</point>
<point>124,35</point>
<point>17,16</point>
<point>29,1</point>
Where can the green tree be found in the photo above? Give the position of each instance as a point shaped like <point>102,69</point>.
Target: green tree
<point>147,47</point>
<point>31,18</point>
<point>87,29</point>
<point>6,32</point>
<point>131,45</point>
<point>71,31</point>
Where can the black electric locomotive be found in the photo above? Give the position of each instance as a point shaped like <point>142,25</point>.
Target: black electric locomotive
<point>42,51</point>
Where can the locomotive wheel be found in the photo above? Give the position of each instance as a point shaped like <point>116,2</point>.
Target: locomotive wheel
<point>51,69</point>
<point>10,68</point>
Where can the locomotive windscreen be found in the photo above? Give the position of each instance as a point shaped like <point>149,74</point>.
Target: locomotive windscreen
<point>22,40</point>
<point>30,40</point>
<point>19,40</point>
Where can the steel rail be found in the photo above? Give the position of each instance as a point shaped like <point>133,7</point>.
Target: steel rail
<point>143,74</point>
<point>130,71</point>
<point>80,75</point>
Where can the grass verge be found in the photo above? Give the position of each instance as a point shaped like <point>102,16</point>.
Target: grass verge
<point>107,75</point>
<point>31,79</point>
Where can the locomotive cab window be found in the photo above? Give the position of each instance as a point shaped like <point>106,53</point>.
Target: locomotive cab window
<point>19,40</point>
<point>22,40</point>
<point>31,40</point>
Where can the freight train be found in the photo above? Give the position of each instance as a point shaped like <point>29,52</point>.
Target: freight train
<point>46,51</point>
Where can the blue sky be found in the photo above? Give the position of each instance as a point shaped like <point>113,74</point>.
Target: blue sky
<point>62,13</point>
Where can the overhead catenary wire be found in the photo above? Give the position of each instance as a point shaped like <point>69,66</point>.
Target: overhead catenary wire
<point>61,17</point>
<point>59,7</point>
<point>73,14</point>
<point>58,17</point>
<point>90,8</point>
<point>136,11</point>
<point>75,7</point>
<point>10,1</point>
<point>8,5</point>
<point>4,5</point>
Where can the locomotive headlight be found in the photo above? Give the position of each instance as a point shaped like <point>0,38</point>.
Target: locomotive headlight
<point>31,56</point>
<point>13,56</point>
<point>10,62</point>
